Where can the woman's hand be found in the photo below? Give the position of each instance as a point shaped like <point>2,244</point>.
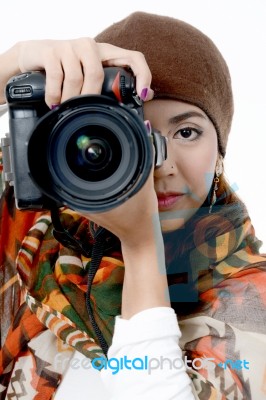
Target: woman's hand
<point>132,221</point>
<point>72,67</point>
<point>136,223</point>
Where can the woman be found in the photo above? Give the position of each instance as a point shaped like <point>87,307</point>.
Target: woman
<point>182,246</point>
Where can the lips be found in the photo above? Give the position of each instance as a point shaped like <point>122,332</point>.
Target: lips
<point>168,200</point>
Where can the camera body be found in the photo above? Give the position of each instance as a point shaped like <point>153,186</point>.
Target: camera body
<point>90,154</point>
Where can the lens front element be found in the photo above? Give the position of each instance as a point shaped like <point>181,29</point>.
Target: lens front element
<point>93,153</point>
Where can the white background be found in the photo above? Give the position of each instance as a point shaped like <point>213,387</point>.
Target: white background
<point>238,27</point>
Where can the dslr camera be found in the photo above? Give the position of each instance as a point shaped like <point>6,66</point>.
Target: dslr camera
<point>91,153</point>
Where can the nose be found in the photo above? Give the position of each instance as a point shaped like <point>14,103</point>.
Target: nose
<point>169,166</point>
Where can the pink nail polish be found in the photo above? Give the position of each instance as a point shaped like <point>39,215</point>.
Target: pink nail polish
<point>144,93</point>
<point>54,106</point>
<point>148,126</point>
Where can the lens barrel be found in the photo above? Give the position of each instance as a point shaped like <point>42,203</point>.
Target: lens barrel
<point>91,154</point>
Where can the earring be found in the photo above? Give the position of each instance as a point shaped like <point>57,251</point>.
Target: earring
<point>216,180</point>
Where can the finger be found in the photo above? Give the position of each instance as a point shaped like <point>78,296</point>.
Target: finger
<point>51,63</point>
<point>53,86</point>
<point>73,78</point>
<point>72,59</point>
<point>93,74</point>
<point>83,70</point>
<point>111,55</point>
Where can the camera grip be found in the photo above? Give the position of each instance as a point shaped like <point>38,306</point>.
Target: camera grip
<point>27,195</point>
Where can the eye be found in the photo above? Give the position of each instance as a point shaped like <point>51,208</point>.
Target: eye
<point>187,134</point>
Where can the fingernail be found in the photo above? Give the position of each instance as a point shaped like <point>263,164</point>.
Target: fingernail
<point>148,126</point>
<point>54,106</point>
<point>144,93</point>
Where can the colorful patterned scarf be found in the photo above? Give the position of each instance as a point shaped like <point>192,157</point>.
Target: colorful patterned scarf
<point>52,319</point>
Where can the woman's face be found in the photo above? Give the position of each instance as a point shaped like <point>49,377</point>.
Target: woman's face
<point>185,178</point>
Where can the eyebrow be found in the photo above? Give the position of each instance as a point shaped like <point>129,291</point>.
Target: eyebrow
<point>181,117</point>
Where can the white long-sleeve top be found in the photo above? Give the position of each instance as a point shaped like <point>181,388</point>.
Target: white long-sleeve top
<point>144,362</point>
<point>151,339</point>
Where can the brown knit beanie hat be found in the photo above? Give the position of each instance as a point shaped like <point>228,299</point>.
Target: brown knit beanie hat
<point>185,64</point>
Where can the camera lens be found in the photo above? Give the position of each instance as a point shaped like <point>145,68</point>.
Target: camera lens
<point>76,167</point>
<point>93,153</point>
